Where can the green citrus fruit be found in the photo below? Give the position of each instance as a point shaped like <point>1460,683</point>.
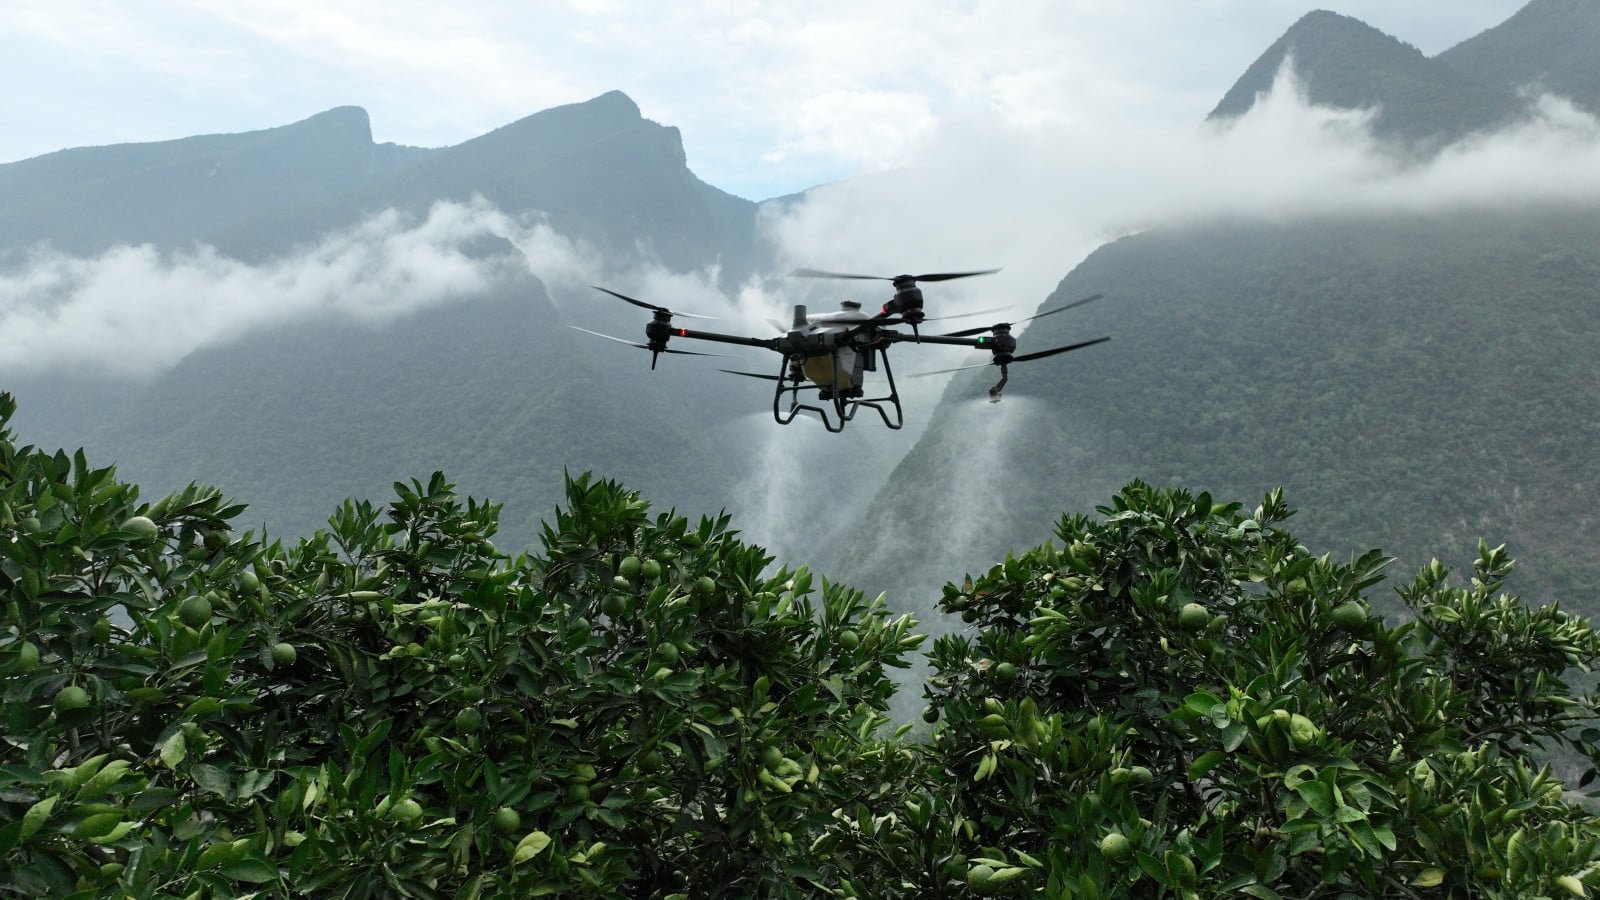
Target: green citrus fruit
<point>930,714</point>
<point>693,539</point>
<point>578,792</point>
<point>771,756</point>
<point>472,693</point>
<point>195,611</point>
<point>668,653</point>
<point>849,639</point>
<point>1115,846</point>
<point>469,720</point>
<point>71,698</point>
<point>142,527</point>
<point>284,654</point>
<point>102,630</point>
<point>629,567</point>
<point>27,657</point>
<point>1350,616</point>
<point>704,586</point>
<point>216,540</point>
<point>1140,775</point>
<point>1005,671</point>
<point>1194,617</point>
<point>407,811</point>
<point>507,819</point>
<point>978,876</point>
<point>621,583</point>
<point>652,761</point>
<point>614,605</point>
<point>248,582</point>
<point>652,570</point>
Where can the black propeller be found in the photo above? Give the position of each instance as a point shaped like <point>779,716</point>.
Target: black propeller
<point>1041,354</point>
<point>654,352</point>
<point>896,279</point>
<point>650,306</point>
<point>1049,312</point>
<point>751,375</point>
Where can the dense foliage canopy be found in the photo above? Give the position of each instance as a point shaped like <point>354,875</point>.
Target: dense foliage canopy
<point>1176,700</point>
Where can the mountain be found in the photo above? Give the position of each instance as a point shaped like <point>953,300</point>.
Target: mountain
<point>1414,381</point>
<point>84,200</point>
<point>491,387</point>
<point>1343,62</point>
<point>1549,45</point>
<point>1413,384</point>
<point>597,171</point>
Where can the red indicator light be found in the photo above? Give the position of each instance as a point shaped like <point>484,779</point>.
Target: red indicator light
<point>683,332</point>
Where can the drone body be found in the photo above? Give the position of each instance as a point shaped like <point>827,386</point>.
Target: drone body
<point>826,356</point>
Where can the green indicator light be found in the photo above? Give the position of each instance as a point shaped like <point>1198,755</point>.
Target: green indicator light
<point>983,340</point>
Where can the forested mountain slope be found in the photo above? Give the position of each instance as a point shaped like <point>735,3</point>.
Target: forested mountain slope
<point>1416,383</point>
<point>490,385</point>
<point>1549,45</point>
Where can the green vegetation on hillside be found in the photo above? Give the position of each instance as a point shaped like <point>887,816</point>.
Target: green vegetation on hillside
<point>1413,383</point>
<point>1179,700</point>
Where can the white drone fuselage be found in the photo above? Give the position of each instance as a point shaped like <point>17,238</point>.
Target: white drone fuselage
<point>836,366</point>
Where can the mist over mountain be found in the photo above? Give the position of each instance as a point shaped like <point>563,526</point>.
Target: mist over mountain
<point>1416,376</point>
<point>299,314</point>
<point>1345,63</point>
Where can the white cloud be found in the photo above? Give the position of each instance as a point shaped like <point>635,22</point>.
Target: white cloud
<point>772,96</point>
<point>985,191</point>
<point>133,310</point>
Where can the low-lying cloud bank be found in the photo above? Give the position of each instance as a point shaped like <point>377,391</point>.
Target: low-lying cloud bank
<point>1037,201</point>
<point>980,193</point>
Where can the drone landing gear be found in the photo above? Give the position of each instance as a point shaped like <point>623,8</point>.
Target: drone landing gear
<point>843,402</point>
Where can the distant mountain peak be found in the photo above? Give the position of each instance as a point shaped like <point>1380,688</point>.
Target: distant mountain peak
<point>1343,62</point>
<point>1548,45</point>
<point>347,122</point>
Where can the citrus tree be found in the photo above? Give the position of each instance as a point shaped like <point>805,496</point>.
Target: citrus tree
<point>1180,700</point>
<point>395,708</point>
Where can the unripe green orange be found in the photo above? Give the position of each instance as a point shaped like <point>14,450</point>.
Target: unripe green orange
<point>507,819</point>
<point>1194,617</point>
<point>284,653</point>
<point>71,698</point>
<point>849,639</point>
<point>406,811</point>
<point>629,567</point>
<point>468,720</point>
<point>1115,846</point>
<point>704,586</point>
<point>142,527</point>
<point>195,611</point>
<point>1350,616</point>
<point>27,657</point>
<point>651,570</point>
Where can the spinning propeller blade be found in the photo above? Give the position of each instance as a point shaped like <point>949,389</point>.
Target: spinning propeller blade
<point>647,346</point>
<point>932,276</point>
<point>1025,357</point>
<point>969,332</point>
<point>751,375</point>
<point>650,306</point>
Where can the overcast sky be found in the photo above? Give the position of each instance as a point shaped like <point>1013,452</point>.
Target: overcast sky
<point>772,97</point>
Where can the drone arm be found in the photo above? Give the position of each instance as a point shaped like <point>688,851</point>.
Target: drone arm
<point>766,343</point>
<point>980,342</point>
